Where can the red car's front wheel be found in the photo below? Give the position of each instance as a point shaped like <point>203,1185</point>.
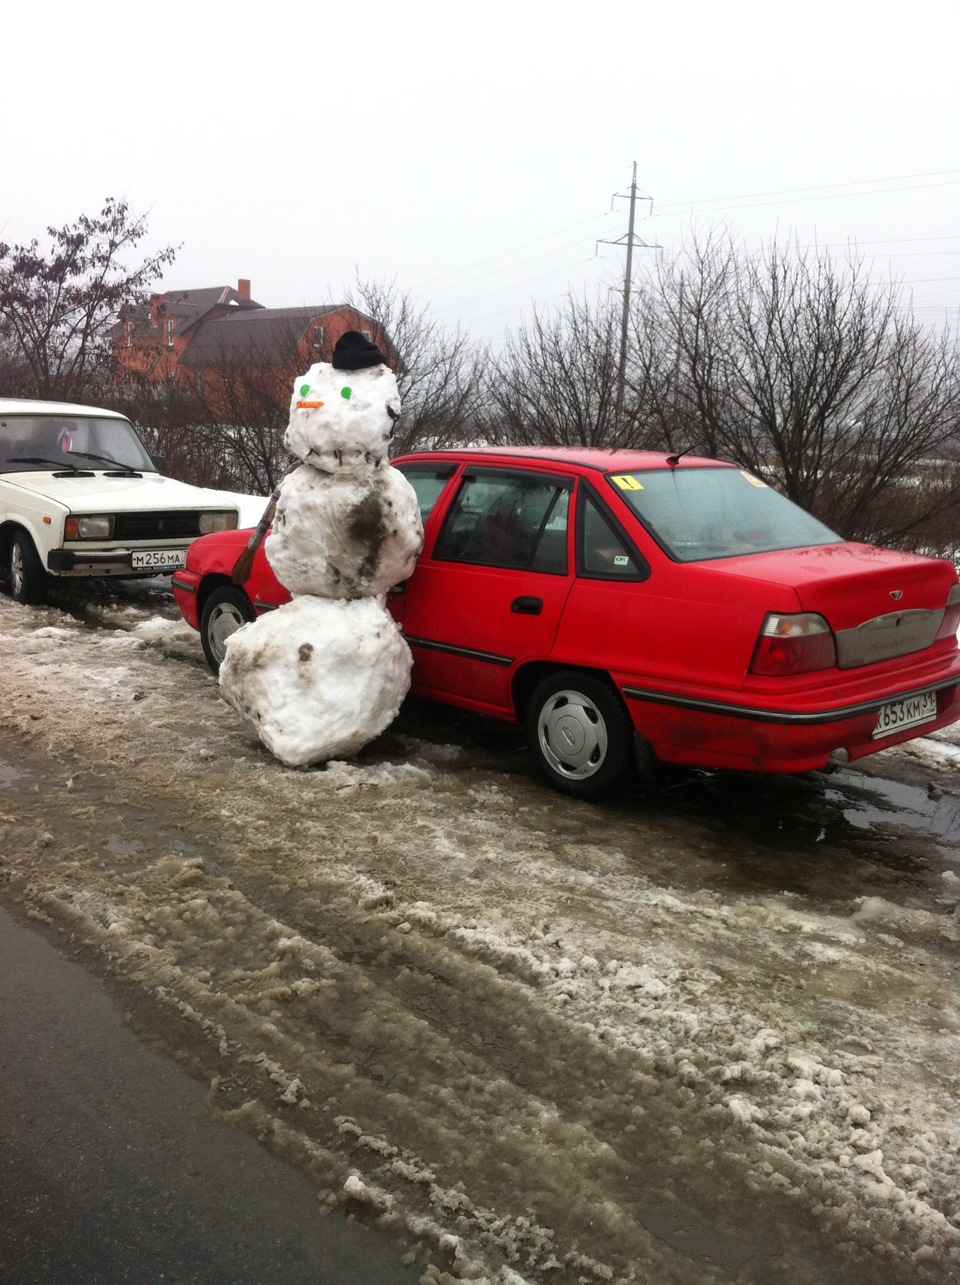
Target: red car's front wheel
<point>224,612</point>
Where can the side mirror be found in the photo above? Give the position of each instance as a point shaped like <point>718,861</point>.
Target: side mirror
<point>159,463</point>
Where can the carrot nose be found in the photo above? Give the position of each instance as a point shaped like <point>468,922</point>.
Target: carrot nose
<point>309,405</point>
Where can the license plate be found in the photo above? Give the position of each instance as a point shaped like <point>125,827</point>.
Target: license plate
<point>158,559</point>
<point>906,713</point>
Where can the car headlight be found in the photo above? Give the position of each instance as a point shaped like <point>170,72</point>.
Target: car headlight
<point>225,521</point>
<point>89,528</point>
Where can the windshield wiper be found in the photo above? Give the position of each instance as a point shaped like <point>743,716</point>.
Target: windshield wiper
<point>128,469</point>
<point>65,465</point>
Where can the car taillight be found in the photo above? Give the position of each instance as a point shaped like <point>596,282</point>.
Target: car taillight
<point>950,624</point>
<point>794,645</point>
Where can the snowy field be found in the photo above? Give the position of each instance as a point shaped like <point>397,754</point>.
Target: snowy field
<point>540,1041</point>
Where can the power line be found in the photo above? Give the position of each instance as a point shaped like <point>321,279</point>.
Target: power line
<point>681,207</point>
<point>523,246</point>
<point>824,187</point>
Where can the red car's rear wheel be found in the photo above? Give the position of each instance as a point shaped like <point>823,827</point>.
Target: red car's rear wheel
<point>580,735</point>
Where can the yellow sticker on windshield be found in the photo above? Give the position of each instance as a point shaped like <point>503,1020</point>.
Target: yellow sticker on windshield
<point>754,481</point>
<point>628,483</point>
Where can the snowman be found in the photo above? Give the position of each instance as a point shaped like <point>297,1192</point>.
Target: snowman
<point>326,673</point>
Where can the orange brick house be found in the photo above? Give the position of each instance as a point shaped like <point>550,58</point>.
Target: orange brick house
<point>209,338</point>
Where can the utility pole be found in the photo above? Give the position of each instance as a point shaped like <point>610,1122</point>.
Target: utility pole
<point>630,240</point>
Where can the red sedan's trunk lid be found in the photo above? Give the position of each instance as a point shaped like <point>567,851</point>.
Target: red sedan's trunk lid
<point>879,603</point>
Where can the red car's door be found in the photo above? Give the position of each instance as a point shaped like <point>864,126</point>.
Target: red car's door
<point>490,591</point>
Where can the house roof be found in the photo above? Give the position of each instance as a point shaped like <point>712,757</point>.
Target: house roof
<point>258,336</point>
<point>188,306</point>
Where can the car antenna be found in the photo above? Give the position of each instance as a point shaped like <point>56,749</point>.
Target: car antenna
<point>674,460</point>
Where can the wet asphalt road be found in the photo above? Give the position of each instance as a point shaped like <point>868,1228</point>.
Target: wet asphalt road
<point>112,1171</point>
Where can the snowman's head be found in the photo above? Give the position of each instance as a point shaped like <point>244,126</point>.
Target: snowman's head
<point>343,412</point>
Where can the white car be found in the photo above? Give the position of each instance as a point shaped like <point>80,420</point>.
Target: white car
<point>80,496</point>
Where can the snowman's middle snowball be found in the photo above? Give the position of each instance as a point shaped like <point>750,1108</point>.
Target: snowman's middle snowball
<point>343,535</point>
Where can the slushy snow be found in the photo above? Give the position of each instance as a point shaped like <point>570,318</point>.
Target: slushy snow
<point>538,1040</point>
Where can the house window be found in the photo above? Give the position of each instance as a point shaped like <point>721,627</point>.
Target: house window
<point>318,337</point>
<point>129,334</point>
<point>170,328</point>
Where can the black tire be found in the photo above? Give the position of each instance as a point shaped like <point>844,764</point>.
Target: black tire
<point>580,735</point>
<point>27,580</point>
<point>224,612</point>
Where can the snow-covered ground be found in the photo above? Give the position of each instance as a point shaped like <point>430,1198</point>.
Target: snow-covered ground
<point>542,1041</point>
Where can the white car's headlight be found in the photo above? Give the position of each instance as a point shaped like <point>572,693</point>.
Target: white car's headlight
<point>89,528</point>
<point>225,521</point>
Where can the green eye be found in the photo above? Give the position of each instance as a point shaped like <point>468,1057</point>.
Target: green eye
<point>304,390</point>
<point>346,393</point>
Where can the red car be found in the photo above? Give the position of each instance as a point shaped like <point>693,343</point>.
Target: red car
<point>630,607</point>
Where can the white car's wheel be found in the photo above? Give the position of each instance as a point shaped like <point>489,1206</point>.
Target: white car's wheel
<point>25,574</point>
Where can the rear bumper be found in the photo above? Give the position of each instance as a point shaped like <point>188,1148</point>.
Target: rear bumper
<point>716,733</point>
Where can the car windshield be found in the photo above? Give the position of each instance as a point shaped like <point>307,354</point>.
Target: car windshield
<point>70,440</point>
<point>697,514</point>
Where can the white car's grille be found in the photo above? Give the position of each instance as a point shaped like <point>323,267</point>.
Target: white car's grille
<point>156,526</point>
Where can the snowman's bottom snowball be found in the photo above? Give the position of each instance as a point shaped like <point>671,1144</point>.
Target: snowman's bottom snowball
<point>318,678</point>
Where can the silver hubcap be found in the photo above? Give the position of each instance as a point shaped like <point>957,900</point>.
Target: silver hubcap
<point>16,569</point>
<point>225,619</point>
<point>573,735</point>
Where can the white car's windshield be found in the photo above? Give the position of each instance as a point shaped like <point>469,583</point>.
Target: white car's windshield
<point>70,441</point>
<point>696,514</point>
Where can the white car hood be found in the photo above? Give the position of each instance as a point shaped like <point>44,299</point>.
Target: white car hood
<point>105,494</point>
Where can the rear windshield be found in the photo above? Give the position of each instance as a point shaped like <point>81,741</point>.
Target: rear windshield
<point>696,514</point>
<point>71,441</point>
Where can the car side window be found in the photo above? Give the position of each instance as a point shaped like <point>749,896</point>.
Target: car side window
<point>508,520</point>
<point>428,484</point>
<point>11,442</point>
<point>603,552</point>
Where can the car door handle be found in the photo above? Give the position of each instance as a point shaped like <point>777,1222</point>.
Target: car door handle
<point>527,606</point>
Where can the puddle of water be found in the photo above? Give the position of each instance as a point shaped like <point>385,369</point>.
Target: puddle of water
<point>830,838</point>
<point>881,801</point>
<point>807,812</point>
<point>121,847</point>
<point>11,776</point>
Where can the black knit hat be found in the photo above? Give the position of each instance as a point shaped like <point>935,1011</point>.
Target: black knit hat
<point>355,352</point>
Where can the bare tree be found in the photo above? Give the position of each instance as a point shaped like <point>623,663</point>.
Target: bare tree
<point>556,381</point>
<point>173,422</point>
<point>679,366</point>
<point>440,374</point>
<point>58,306</point>
<point>802,370</point>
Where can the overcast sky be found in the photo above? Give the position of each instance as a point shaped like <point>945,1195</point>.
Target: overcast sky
<point>472,152</point>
